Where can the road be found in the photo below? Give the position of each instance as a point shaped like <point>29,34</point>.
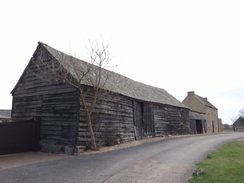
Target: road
<point>170,160</point>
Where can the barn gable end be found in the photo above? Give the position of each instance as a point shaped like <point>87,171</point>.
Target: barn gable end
<point>54,104</point>
<point>238,125</point>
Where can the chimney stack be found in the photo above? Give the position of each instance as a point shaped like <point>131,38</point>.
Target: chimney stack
<point>191,93</point>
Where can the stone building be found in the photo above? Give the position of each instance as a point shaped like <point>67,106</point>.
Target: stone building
<point>202,105</point>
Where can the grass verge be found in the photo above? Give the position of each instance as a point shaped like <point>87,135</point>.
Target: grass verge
<point>226,165</point>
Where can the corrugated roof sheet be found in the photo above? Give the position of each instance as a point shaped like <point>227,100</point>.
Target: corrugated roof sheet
<point>116,82</point>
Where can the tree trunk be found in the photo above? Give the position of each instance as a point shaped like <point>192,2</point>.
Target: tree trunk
<point>92,134</point>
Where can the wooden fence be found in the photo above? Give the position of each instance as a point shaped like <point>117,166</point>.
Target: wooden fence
<point>21,136</point>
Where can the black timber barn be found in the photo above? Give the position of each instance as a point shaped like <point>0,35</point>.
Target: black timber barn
<point>139,110</point>
<point>238,125</point>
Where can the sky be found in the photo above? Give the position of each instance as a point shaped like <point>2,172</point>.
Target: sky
<point>176,45</point>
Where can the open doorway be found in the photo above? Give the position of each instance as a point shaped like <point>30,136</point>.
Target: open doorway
<point>199,126</point>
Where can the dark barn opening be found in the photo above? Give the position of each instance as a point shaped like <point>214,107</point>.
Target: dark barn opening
<point>199,126</point>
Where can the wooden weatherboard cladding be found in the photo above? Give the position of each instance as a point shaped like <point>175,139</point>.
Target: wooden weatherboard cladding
<point>130,111</point>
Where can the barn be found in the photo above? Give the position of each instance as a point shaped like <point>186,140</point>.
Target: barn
<point>132,111</point>
<point>238,125</point>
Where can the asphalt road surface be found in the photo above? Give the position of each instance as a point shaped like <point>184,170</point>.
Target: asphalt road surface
<point>170,160</point>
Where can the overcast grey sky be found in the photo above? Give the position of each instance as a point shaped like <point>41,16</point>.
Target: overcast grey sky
<point>177,45</point>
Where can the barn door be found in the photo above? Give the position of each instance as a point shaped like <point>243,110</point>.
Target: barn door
<point>213,126</point>
<point>143,120</point>
<point>148,121</point>
<point>138,119</point>
<point>193,129</point>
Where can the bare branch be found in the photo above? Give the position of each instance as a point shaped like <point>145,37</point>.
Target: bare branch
<point>241,112</point>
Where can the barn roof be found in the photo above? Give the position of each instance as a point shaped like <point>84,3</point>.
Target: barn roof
<point>205,101</point>
<point>239,121</point>
<point>118,83</point>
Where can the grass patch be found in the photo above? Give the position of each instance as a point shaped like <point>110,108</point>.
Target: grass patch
<point>226,165</point>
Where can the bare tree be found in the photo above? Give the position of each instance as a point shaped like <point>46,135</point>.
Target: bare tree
<point>77,73</point>
<point>241,112</point>
<point>233,118</point>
